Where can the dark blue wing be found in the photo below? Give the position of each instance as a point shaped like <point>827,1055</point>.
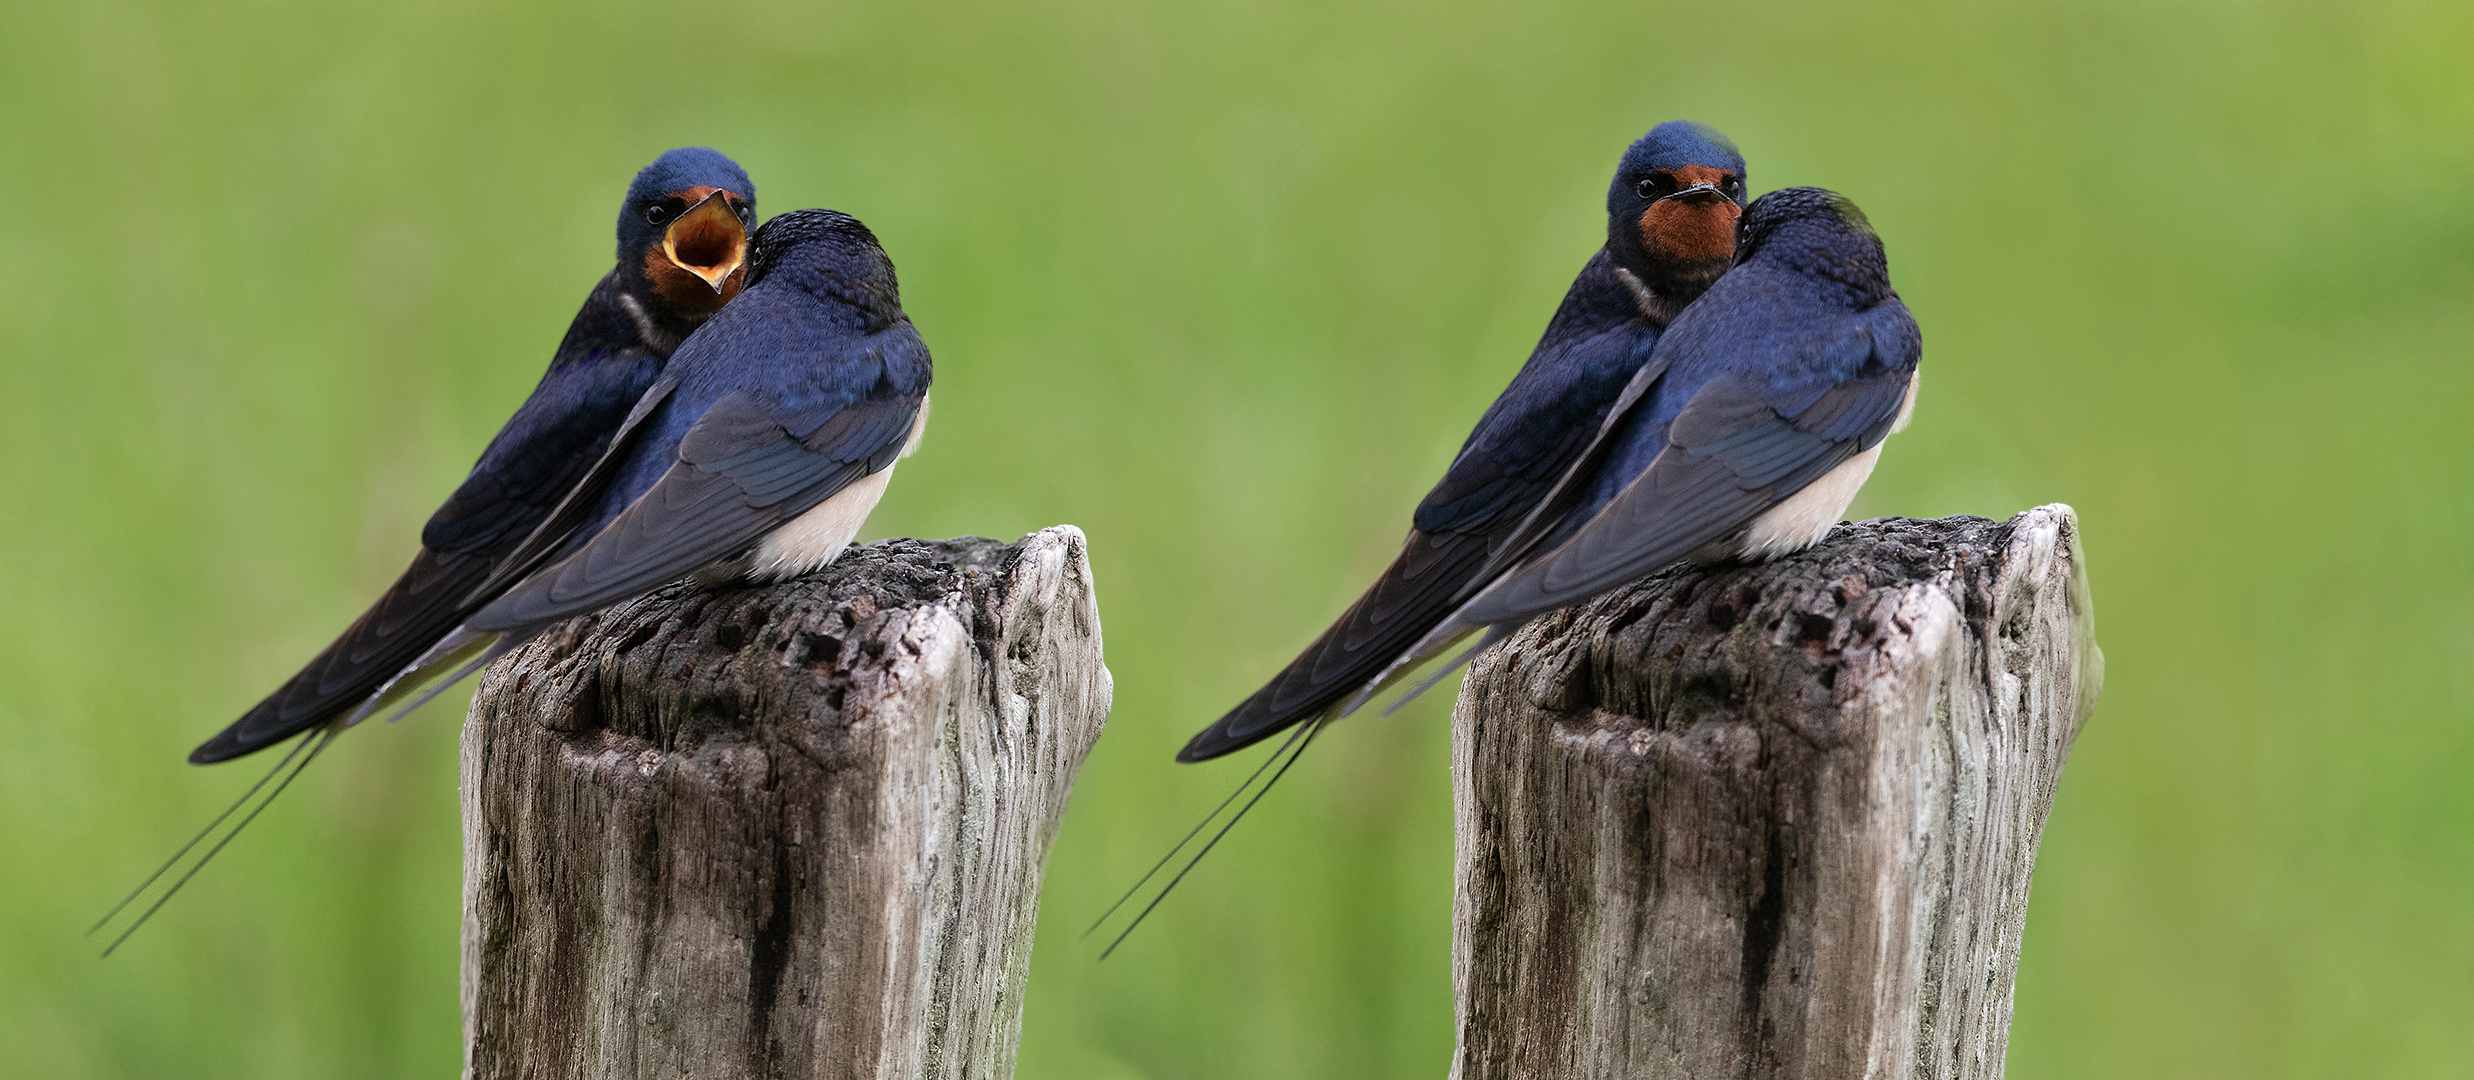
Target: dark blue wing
<point>1527,441</point>
<point>545,448</point>
<point>1735,451</point>
<point>742,470</point>
<point>1541,422</point>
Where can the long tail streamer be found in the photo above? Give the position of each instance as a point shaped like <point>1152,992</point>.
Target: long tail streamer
<point>289,768</point>
<point>1287,755</point>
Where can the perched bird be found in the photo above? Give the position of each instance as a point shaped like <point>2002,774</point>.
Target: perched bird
<point>757,454</point>
<point>682,255</point>
<point>1746,436</point>
<point>682,240</point>
<point>1671,228</point>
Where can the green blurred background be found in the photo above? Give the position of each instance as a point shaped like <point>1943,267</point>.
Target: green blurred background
<point>1225,286</point>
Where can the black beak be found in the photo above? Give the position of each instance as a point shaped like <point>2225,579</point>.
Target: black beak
<point>1700,195</point>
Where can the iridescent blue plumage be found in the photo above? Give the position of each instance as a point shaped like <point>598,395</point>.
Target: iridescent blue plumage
<point>612,352</point>
<point>682,240</point>
<point>1757,417</point>
<point>1671,216</point>
<point>758,451</point>
<point>810,383</point>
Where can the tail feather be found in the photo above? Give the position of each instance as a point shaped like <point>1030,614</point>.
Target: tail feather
<point>315,742</point>
<point>1197,830</point>
<point>457,646</point>
<point>1285,756</point>
<point>424,603</point>
<point>1493,634</point>
<point>1430,578</point>
<point>474,656</point>
<point>445,665</point>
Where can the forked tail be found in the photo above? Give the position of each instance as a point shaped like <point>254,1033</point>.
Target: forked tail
<point>1289,751</point>
<point>289,768</point>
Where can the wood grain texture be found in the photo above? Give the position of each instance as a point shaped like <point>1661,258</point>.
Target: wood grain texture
<point>791,831</point>
<point>1773,820</point>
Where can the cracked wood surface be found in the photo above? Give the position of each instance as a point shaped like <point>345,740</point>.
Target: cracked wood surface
<point>790,831</point>
<point>1773,820</point>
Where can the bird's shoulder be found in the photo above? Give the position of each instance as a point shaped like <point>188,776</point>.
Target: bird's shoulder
<point>796,365</point>
<point>1598,339</point>
<point>1762,324</point>
<point>779,367</point>
<point>601,368</point>
<point>1829,348</point>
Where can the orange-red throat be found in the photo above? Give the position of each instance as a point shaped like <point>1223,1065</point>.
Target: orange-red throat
<point>1696,224</point>
<point>702,259</point>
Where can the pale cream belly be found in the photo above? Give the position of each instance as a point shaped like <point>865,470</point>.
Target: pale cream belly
<point>1806,516</point>
<point>819,536</point>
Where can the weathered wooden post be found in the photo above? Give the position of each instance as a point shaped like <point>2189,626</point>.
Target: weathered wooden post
<point>794,831</point>
<point>1770,821</point>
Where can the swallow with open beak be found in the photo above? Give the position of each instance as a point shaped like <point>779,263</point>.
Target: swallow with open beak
<point>682,254</point>
<point>1671,224</point>
<point>756,455</point>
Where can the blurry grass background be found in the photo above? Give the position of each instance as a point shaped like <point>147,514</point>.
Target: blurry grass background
<point>1225,285</point>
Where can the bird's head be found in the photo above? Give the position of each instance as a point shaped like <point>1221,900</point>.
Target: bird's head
<point>684,228</point>
<point>1672,210</point>
<point>831,256</point>
<point>1822,235</point>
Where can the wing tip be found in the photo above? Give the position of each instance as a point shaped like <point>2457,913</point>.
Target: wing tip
<point>1209,743</point>
<point>234,742</point>
<point>1229,735</point>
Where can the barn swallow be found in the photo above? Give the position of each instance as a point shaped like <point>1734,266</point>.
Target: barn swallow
<point>1671,226</point>
<point>1743,436</point>
<point>1757,418</point>
<point>755,457</point>
<point>682,246</point>
<point>682,255</point>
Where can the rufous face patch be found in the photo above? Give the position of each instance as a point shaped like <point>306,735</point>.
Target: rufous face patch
<point>1691,231</point>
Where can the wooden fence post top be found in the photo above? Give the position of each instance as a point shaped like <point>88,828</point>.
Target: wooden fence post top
<point>694,645</point>
<point>1775,820</point>
<point>791,830</point>
<point>1834,600</point>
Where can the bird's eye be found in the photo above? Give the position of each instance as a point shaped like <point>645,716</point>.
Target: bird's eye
<point>656,213</point>
<point>747,216</point>
<point>1658,186</point>
<point>1733,186</point>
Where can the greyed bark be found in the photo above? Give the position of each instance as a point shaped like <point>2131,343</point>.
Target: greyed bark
<point>792,831</point>
<point>1773,820</point>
